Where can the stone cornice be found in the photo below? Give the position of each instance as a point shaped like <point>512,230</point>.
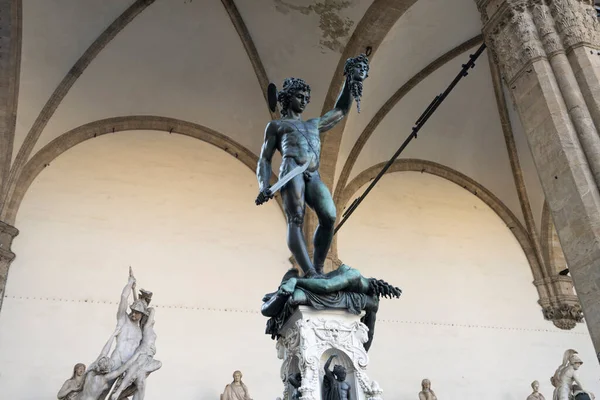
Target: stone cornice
<point>6,255</point>
<point>553,279</point>
<point>9,229</point>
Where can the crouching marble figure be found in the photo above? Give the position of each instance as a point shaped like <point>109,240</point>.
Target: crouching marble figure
<point>122,373</point>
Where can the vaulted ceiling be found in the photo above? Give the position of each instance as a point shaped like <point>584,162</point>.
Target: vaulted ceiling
<point>207,62</point>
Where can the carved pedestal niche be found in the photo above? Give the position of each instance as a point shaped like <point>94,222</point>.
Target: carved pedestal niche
<point>308,339</point>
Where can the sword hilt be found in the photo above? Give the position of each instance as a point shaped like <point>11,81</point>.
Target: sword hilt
<point>264,196</point>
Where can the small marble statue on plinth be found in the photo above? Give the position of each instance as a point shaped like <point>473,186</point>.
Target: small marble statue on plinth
<point>72,387</point>
<point>536,395</point>
<point>426,393</point>
<point>236,390</point>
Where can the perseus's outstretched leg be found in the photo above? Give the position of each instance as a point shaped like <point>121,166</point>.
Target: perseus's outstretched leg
<point>319,199</point>
<point>293,204</point>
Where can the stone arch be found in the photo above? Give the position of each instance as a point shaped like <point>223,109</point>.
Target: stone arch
<point>430,167</point>
<point>113,125</point>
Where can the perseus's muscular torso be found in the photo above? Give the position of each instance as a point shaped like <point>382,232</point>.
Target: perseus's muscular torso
<point>298,142</point>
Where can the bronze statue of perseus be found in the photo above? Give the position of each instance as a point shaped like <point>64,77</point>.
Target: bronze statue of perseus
<point>299,143</point>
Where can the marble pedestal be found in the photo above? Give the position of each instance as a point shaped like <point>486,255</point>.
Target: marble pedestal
<point>307,340</point>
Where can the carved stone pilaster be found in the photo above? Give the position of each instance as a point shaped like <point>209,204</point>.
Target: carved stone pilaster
<point>7,234</point>
<point>547,31</point>
<point>309,337</point>
<point>556,96</point>
<point>558,301</point>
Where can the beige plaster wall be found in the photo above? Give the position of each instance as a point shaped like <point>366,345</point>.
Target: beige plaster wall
<point>468,318</point>
<point>182,214</point>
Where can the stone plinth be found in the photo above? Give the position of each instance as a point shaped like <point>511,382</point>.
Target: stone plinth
<point>307,340</point>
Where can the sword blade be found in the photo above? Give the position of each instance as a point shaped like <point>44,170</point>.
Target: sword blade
<point>288,177</point>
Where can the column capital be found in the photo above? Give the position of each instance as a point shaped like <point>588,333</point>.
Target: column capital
<point>520,31</point>
<point>511,34</point>
<point>565,315</point>
<point>558,301</point>
<point>576,22</point>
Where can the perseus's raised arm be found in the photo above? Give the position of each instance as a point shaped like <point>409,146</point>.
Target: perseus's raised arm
<point>263,169</point>
<point>341,109</point>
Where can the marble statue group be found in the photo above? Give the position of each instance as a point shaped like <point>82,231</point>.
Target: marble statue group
<point>566,382</point>
<point>120,371</point>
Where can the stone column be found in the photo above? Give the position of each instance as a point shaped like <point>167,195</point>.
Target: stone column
<point>7,234</point>
<point>557,298</point>
<point>541,48</point>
